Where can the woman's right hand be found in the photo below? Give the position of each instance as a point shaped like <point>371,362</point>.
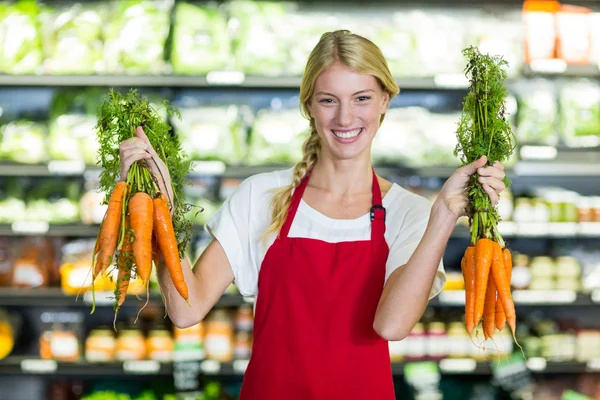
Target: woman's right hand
<point>139,148</point>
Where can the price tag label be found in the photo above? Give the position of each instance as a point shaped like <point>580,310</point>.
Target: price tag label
<point>208,167</point>
<point>593,364</point>
<point>423,377</point>
<point>451,81</point>
<point>39,366</point>
<point>536,364</point>
<point>103,298</point>
<point>452,297</point>
<point>544,296</point>
<point>531,229</point>
<point>463,365</point>
<point>563,229</point>
<point>30,227</point>
<point>240,366</point>
<point>210,367</point>
<point>589,229</point>
<point>225,78</point>
<point>141,367</point>
<point>512,374</point>
<point>66,167</point>
<point>554,66</point>
<point>185,376</point>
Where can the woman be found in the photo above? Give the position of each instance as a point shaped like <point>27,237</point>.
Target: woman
<point>341,260</point>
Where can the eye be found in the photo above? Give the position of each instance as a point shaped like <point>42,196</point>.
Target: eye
<point>326,101</point>
<point>364,98</point>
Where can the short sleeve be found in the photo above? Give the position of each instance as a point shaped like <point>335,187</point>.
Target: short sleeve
<point>407,240</point>
<point>231,226</point>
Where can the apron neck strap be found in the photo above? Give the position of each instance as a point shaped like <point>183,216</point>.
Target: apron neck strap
<point>377,212</point>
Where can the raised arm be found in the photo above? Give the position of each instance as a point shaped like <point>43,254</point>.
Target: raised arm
<point>211,274</point>
<point>406,292</point>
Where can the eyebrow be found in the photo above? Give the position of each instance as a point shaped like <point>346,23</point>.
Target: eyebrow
<point>354,94</point>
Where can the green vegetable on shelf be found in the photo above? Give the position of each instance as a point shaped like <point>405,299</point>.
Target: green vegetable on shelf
<point>200,40</point>
<point>20,43</point>
<point>23,142</point>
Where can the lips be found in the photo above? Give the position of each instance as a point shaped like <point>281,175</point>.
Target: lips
<point>347,134</point>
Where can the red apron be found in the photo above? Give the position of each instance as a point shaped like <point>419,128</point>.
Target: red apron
<point>313,327</point>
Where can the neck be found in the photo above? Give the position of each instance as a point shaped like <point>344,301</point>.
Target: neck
<point>342,177</point>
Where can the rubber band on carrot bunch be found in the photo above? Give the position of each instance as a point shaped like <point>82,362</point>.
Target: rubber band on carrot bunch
<point>140,221</point>
<point>484,130</point>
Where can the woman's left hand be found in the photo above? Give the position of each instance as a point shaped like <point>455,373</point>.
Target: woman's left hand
<point>454,192</point>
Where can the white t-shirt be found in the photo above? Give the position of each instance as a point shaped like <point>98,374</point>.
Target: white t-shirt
<point>240,222</point>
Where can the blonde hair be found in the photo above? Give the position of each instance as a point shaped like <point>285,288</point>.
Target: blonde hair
<point>354,51</point>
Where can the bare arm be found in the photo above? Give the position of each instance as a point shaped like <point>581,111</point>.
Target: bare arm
<point>206,283</point>
<point>406,292</point>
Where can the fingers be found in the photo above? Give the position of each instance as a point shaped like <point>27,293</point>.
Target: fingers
<point>492,172</point>
<point>471,168</point>
<point>492,194</point>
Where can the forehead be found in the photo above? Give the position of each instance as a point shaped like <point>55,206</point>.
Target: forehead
<point>339,79</point>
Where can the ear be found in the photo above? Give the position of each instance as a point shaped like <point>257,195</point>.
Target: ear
<point>384,102</point>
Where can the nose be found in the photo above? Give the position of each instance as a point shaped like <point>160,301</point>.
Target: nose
<point>345,115</point>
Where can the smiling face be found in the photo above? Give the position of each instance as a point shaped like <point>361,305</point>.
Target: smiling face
<point>346,107</point>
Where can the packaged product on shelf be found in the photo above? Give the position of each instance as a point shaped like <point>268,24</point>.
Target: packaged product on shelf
<point>543,273</point>
<point>588,345</point>
<point>61,336</point>
<point>75,269</point>
<point>277,135</point>
<point>437,341</point>
<point>537,113</point>
<point>24,142</point>
<point>189,342</point>
<point>540,29</point>
<point>595,37</point>
<point>160,345</point>
<point>416,343</point>
<point>9,331</point>
<point>200,40</point>
<point>218,339</point>
<point>135,36</point>
<point>20,42</point>
<point>521,274</point>
<point>72,38</point>
<point>260,36</point>
<point>131,345</point>
<point>100,345</point>
<point>244,318</point>
<point>242,346</point>
<point>580,113</point>
<point>90,206</point>
<point>568,273</point>
<point>211,132</point>
<point>7,246</point>
<point>35,264</point>
<point>573,34</point>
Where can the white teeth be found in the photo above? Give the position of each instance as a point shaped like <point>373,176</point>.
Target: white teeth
<point>347,135</point>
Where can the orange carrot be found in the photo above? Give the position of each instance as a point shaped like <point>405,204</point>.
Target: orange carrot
<point>141,212</point>
<point>500,316</point>
<point>469,276</point>
<point>125,262</point>
<point>483,261</point>
<point>167,242</point>
<point>109,230</point>
<point>503,287</point>
<point>489,310</point>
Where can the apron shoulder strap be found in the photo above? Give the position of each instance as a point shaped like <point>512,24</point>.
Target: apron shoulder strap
<point>296,197</point>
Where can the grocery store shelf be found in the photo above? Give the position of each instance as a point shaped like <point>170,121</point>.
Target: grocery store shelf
<point>214,79</point>
<point>16,365</point>
<point>54,297</point>
<point>31,366</point>
<point>564,230</point>
<point>560,68</point>
<point>456,298</point>
<point>33,228</point>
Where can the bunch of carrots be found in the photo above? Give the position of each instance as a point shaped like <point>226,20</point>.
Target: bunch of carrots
<point>483,129</point>
<point>138,228</point>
